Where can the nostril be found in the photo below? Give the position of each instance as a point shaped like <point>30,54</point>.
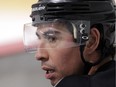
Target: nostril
<point>39,57</point>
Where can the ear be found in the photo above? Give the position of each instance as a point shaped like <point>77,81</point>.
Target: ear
<point>91,45</point>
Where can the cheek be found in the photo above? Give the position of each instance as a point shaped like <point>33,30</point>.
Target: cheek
<point>65,60</point>
<point>61,56</point>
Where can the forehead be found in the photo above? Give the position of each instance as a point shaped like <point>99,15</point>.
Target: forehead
<point>59,26</point>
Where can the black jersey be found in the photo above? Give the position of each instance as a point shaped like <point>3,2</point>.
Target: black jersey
<point>104,77</point>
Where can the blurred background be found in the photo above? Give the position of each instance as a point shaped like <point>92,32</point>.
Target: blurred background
<point>17,68</point>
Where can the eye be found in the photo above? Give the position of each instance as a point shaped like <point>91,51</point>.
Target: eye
<point>51,38</point>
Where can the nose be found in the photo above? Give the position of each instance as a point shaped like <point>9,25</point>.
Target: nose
<point>41,55</point>
<point>42,52</point>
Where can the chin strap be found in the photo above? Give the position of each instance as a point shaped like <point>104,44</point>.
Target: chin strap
<point>87,65</point>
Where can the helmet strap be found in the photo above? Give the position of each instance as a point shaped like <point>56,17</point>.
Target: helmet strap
<point>87,65</point>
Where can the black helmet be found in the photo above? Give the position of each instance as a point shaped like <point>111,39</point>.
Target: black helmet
<point>93,10</point>
<point>100,13</point>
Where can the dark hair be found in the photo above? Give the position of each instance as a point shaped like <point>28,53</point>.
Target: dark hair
<point>107,38</point>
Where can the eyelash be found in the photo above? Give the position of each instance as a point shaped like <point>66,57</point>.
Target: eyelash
<point>50,38</point>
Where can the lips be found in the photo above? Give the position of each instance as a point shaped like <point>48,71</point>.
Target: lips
<point>49,72</point>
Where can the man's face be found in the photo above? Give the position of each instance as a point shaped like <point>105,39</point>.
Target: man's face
<point>59,55</point>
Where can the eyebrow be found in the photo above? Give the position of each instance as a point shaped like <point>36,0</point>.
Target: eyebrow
<point>52,32</point>
<point>48,32</point>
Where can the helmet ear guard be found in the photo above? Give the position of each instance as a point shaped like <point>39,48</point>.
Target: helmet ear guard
<point>82,35</point>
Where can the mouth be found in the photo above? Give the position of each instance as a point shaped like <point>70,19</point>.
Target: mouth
<point>49,72</point>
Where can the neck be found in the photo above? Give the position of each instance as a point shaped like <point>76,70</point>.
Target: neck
<point>96,67</point>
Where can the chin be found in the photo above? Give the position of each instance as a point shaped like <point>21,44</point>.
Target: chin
<point>53,83</point>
